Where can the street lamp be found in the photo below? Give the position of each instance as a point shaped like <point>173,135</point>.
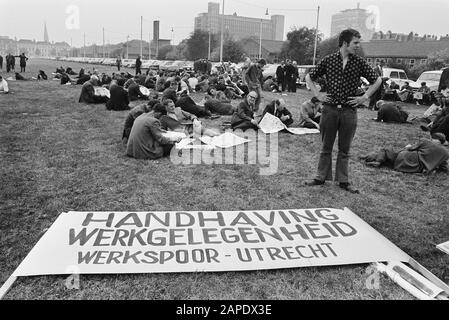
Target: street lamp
<point>260,42</point>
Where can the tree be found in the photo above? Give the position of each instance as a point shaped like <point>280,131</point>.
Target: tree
<point>439,59</point>
<point>232,51</point>
<point>163,52</point>
<point>327,46</point>
<point>197,45</point>
<point>300,45</point>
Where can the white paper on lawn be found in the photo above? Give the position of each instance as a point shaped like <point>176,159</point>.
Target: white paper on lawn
<point>272,124</point>
<point>173,135</point>
<point>225,140</point>
<point>188,144</point>
<point>444,247</point>
<point>149,242</point>
<point>302,131</point>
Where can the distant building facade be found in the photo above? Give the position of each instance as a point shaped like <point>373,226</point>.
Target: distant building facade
<point>240,27</point>
<point>34,48</point>
<point>358,19</point>
<point>271,49</point>
<point>408,49</point>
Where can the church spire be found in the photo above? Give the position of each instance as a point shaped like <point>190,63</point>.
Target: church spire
<point>45,33</point>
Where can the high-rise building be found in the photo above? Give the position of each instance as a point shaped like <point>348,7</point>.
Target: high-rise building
<point>358,19</point>
<point>240,27</point>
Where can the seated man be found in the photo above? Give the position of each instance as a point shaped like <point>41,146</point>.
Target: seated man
<point>406,92</point>
<point>423,157</point>
<point>88,92</point>
<point>443,96</point>
<point>132,116</point>
<point>170,92</point>
<point>243,117</point>
<point>182,121</point>
<point>278,109</point>
<point>390,91</point>
<point>119,97</point>
<point>310,114</point>
<point>270,85</point>
<point>146,140</point>
<point>42,75</point>
<point>3,85</point>
<point>218,107</point>
<point>187,104</point>
<point>439,128</point>
<point>390,112</point>
<point>423,94</point>
<point>134,92</point>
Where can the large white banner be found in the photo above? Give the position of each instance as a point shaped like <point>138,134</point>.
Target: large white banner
<point>147,242</point>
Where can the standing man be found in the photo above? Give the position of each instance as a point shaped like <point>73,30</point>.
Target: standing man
<point>23,62</point>
<point>138,65</point>
<point>289,71</point>
<point>343,70</point>
<point>295,76</point>
<point>254,80</point>
<point>118,62</point>
<point>8,62</point>
<point>280,76</point>
<point>1,62</point>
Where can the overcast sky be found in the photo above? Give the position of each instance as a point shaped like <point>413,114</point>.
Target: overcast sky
<point>24,19</point>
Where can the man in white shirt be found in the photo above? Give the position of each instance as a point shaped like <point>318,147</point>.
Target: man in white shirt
<point>3,85</point>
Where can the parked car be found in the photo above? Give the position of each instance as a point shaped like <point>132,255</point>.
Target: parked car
<point>431,78</point>
<point>397,75</point>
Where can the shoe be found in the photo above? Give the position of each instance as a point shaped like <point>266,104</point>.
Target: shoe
<point>424,128</point>
<point>314,182</point>
<point>347,187</point>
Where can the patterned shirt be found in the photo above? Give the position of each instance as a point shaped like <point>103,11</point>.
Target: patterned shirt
<point>343,84</point>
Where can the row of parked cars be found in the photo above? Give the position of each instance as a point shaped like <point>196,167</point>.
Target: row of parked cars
<point>131,63</point>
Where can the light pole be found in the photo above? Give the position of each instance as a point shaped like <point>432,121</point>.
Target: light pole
<point>208,51</point>
<point>260,42</point>
<point>221,39</point>
<point>127,52</point>
<point>316,35</point>
<point>141,36</point>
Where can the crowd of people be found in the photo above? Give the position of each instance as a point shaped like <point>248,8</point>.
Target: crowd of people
<point>164,104</point>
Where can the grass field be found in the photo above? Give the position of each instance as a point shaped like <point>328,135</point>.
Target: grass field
<point>58,156</point>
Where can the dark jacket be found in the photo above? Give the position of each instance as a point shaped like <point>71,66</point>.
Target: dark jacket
<point>280,73</point>
<point>119,98</point>
<point>243,113</point>
<point>270,108</point>
<point>390,112</point>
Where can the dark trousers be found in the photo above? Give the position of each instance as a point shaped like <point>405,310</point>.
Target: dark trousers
<point>344,122</point>
<point>138,71</point>
<point>244,125</point>
<point>22,68</point>
<point>281,84</point>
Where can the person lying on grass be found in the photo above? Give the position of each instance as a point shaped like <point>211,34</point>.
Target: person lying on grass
<point>278,108</point>
<point>3,85</point>
<point>182,121</point>
<point>423,157</point>
<point>146,139</point>
<point>390,112</point>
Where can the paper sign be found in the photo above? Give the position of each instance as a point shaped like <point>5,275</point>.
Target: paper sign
<point>225,140</point>
<point>102,92</point>
<point>188,144</point>
<point>164,242</point>
<point>173,135</point>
